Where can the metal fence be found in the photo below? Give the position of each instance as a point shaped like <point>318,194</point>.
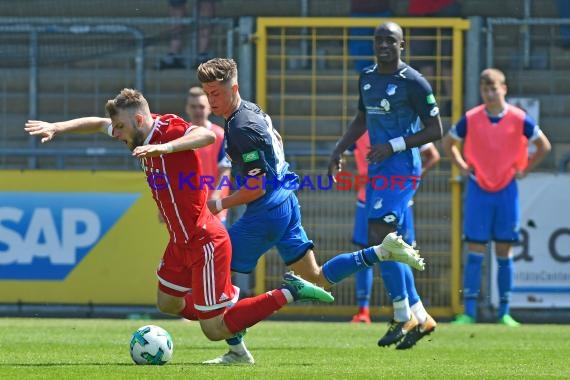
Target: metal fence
<point>306,81</point>
<point>61,68</point>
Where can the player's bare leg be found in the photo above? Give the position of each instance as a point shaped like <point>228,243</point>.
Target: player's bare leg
<point>308,269</point>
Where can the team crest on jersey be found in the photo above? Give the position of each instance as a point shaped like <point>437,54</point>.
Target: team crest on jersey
<point>366,87</point>
<point>377,204</point>
<point>391,89</point>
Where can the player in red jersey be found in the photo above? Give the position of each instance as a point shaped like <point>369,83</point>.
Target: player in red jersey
<point>215,164</point>
<point>194,274</point>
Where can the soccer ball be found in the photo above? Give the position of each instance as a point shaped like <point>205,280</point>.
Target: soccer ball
<point>151,344</point>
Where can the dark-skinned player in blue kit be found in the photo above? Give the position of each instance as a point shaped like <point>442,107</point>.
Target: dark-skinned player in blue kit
<point>394,100</point>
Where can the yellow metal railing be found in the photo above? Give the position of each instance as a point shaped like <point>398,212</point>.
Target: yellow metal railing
<point>307,83</point>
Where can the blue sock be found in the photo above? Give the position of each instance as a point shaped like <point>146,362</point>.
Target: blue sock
<point>364,279</point>
<point>234,340</point>
<point>472,282</point>
<point>394,279</point>
<point>505,283</point>
<point>413,296</point>
<point>346,264</point>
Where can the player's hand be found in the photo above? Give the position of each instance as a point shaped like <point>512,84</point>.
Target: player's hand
<point>45,130</point>
<point>151,150</point>
<point>520,174</point>
<point>212,206</point>
<point>379,152</point>
<point>335,166</point>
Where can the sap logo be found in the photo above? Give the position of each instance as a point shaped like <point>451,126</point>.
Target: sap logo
<point>44,236</point>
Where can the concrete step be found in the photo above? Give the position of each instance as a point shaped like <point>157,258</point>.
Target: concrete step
<point>508,8</point>
<point>96,79</point>
<point>550,105</point>
<point>305,126</point>
<point>538,81</point>
<point>88,50</point>
<point>150,8</point>
<point>306,105</point>
<point>556,128</point>
<point>325,81</point>
<point>559,58</point>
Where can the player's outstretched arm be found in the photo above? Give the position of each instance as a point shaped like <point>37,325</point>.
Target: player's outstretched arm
<point>48,131</point>
<point>198,137</point>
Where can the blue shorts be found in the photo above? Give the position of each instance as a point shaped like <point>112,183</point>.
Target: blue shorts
<point>491,215</point>
<point>388,205</point>
<point>279,227</point>
<point>360,233</point>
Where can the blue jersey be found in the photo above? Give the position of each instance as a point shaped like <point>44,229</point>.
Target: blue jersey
<point>394,104</point>
<point>254,149</point>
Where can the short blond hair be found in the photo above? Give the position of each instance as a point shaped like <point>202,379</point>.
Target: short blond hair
<point>222,70</point>
<point>492,76</point>
<point>195,92</point>
<point>128,99</point>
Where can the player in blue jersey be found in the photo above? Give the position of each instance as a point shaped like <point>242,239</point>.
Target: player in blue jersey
<point>393,99</point>
<point>266,186</point>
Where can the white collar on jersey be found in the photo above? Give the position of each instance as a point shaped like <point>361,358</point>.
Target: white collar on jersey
<point>154,125</point>
<point>500,114</point>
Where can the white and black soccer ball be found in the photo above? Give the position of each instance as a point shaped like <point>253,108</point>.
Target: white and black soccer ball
<point>152,345</point>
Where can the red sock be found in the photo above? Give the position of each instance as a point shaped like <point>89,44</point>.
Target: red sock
<point>189,311</point>
<point>248,311</point>
<point>364,310</point>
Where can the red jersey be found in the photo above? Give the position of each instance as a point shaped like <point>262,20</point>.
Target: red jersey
<point>210,158</point>
<point>360,152</point>
<point>427,7</point>
<point>174,180</point>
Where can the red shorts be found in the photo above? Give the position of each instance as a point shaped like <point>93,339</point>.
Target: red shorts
<point>202,267</point>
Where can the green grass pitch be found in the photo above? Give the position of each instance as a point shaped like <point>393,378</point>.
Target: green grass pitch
<point>36,348</point>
